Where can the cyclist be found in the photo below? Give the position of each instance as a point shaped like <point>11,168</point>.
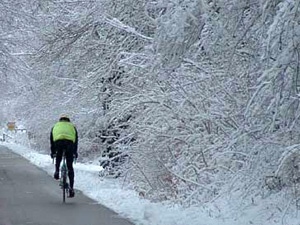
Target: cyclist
<point>64,136</point>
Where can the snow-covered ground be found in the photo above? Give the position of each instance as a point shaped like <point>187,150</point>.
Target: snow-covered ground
<point>111,193</point>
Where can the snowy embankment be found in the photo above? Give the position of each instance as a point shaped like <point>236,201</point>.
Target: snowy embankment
<point>127,203</point>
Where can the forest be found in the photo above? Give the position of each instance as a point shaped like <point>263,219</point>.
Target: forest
<point>191,101</point>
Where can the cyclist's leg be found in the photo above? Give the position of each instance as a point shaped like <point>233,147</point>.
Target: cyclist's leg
<point>70,158</point>
<point>59,152</point>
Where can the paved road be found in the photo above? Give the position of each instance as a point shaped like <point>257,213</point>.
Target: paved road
<point>29,196</point>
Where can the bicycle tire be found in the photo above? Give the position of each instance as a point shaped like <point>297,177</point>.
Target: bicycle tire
<point>64,177</point>
<point>64,188</point>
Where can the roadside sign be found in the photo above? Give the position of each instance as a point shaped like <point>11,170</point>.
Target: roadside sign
<point>11,125</point>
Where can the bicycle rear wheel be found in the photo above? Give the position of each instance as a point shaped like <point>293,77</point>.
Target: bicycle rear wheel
<point>64,188</point>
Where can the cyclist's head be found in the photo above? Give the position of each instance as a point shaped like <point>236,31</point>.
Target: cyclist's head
<point>64,117</point>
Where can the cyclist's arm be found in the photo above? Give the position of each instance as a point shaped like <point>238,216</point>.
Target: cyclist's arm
<point>51,142</point>
<point>76,141</point>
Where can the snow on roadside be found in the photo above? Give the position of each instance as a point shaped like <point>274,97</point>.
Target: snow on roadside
<point>127,203</point>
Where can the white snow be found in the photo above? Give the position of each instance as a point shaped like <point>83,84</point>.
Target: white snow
<point>127,203</point>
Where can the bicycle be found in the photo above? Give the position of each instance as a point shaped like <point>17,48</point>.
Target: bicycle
<point>64,176</point>
<point>63,183</point>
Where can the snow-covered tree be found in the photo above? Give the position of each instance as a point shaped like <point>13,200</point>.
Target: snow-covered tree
<point>201,96</point>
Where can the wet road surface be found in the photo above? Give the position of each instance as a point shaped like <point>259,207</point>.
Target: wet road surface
<point>29,196</point>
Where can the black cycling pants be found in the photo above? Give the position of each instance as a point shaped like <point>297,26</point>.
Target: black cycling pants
<point>59,146</point>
